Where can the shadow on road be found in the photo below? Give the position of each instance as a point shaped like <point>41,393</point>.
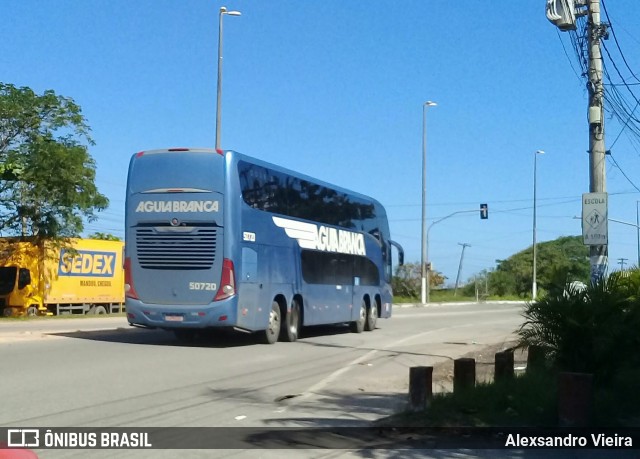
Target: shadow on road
<point>218,338</point>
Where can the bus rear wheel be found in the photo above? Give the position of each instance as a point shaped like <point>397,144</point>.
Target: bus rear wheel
<point>358,325</point>
<point>372,318</point>
<point>271,334</point>
<point>291,330</point>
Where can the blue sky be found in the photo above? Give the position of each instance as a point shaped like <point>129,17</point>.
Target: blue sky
<point>335,89</point>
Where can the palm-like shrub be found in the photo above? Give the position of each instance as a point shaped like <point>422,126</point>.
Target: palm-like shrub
<point>593,330</point>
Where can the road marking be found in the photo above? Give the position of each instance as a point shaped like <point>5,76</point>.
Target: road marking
<point>333,376</point>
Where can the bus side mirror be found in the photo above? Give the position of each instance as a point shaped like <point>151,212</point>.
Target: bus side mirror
<point>400,251</point>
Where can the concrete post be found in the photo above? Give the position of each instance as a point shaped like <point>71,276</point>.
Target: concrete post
<point>464,374</point>
<point>420,387</point>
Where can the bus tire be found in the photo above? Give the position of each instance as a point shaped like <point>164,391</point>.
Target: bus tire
<point>372,318</point>
<point>32,311</point>
<point>291,330</point>
<point>271,334</point>
<point>358,325</point>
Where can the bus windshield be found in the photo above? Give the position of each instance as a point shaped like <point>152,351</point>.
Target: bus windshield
<point>176,169</point>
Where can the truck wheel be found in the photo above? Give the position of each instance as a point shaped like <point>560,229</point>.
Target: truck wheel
<point>7,312</point>
<point>270,335</point>
<point>99,310</point>
<point>358,325</point>
<point>32,311</point>
<point>291,330</point>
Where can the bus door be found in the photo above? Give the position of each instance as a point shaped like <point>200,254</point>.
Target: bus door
<point>249,288</point>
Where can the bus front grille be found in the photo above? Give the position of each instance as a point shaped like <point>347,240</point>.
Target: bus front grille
<point>176,250</point>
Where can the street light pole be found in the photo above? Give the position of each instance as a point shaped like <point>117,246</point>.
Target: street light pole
<point>424,269</point>
<point>534,291</point>
<point>223,11</point>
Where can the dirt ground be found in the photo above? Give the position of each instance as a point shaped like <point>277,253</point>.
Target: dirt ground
<point>485,363</point>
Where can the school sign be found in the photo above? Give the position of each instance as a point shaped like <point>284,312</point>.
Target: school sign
<point>595,219</point>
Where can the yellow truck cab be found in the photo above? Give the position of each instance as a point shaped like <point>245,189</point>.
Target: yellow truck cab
<point>16,289</point>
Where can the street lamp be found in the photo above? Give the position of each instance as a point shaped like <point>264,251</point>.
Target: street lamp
<point>424,259</point>
<point>223,11</point>
<point>534,291</point>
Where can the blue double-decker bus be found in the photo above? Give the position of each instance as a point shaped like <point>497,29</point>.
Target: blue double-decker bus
<point>220,239</point>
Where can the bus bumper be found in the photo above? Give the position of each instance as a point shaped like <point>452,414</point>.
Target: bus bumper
<point>215,314</point>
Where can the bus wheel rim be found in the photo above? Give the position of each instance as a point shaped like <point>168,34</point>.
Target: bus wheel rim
<point>273,320</point>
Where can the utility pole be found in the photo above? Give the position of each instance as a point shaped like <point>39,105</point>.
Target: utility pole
<point>464,246</point>
<point>597,173</point>
<point>563,14</point>
<point>621,262</point>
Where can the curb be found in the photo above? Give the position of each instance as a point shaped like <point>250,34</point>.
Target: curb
<point>458,303</point>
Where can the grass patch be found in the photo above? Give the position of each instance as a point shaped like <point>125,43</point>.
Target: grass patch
<point>526,400</point>
<point>447,296</point>
<point>618,404</point>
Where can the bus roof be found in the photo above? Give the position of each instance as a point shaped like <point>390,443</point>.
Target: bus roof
<point>241,156</point>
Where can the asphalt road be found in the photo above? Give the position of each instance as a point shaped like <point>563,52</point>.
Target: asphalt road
<point>99,372</point>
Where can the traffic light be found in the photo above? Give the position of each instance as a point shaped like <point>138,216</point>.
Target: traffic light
<point>484,211</point>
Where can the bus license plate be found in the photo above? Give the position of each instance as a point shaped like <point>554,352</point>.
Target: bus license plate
<point>174,318</point>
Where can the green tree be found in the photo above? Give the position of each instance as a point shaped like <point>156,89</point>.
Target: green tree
<point>47,176</point>
<point>407,281</point>
<point>559,262</point>
<point>104,237</point>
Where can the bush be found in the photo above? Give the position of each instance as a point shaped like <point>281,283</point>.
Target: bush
<point>592,330</point>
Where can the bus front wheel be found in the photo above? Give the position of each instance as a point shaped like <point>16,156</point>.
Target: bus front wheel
<point>270,335</point>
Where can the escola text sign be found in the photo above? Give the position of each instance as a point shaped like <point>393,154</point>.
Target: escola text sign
<point>595,219</point>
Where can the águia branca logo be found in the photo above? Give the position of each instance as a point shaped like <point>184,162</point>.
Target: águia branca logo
<point>325,238</point>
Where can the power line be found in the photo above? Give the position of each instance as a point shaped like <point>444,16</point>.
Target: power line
<point>622,172</point>
<point>613,34</point>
